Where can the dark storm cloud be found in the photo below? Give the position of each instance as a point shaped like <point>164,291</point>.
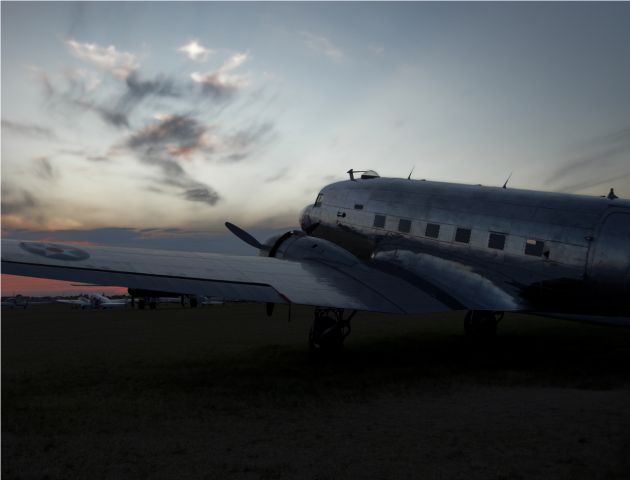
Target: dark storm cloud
<point>161,145</point>
<point>44,169</point>
<point>77,96</point>
<point>246,138</point>
<point>136,91</point>
<point>605,183</point>
<point>116,110</point>
<point>223,84</point>
<point>282,174</point>
<point>161,86</point>
<point>85,154</point>
<point>16,200</point>
<point>29,130</point>
<point>97,158</point>
<point>182,131</point>
<point>243,143</point>
<point>115,118</point>
<point>216,90</point>
<point>602,155</point>
<point>202,194</point>
<point>116,90</point>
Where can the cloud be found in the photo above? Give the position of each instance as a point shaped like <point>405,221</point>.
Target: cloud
<point>90,156</point>
<point>234,62</point>
<point>29,130</point>
<point>322,46</point>
<point>605,158</point>
<point>282,174</point>
<point>376,49</point>
<point>84,80</point>
<point>605,182</point>
<point>176,134</point>
<point>221,84</point>
<point>202,194</point>
<point>164,143</point>
<point>119,64</point>
<point>195,51</point>
<point>161,86</point>
<point>136,91</point>
<point>97,158</point>
<point>161,144</point>
<point>44,169</point>
<point>16,200</point>
<point>81,93</point>
<point>240,144</point>
<point>85,90</point>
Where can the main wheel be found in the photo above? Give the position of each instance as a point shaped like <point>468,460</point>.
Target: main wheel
<point>325,335</point>
<point>481,323</point>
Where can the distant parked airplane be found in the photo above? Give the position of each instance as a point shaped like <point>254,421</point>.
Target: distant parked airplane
<point>398,246</point>
<point>15,302</point>
<point>95,300</point>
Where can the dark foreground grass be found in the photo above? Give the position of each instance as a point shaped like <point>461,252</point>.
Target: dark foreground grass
<point>225,392</point>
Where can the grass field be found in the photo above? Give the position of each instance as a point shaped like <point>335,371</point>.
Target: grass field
<point>225,392</point>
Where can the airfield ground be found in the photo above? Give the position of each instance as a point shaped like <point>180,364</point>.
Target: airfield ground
<point>224,392</point>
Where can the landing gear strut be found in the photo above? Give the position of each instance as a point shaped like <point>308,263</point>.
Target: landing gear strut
<point>329,329</point>
<point>482,323</point>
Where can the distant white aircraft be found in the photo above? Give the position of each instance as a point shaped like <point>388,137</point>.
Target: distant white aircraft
<point>212,301</point>
<point>95,300</point>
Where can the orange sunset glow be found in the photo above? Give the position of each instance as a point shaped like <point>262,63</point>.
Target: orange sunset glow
<point>16,285</point>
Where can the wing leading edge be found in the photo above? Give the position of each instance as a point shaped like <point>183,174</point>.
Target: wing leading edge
<point>244,278</point>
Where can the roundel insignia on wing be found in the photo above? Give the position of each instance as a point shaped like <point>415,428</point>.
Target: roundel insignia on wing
<point>55,251</point>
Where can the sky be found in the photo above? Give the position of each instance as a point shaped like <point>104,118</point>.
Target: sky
<point>151,124</point>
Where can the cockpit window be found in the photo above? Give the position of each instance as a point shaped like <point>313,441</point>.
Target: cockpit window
<point>318,201</point>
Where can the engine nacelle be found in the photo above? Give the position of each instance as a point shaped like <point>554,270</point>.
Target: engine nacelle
<point>296,245</point>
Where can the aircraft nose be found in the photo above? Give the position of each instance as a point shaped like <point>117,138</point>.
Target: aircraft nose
<point>305,218</point>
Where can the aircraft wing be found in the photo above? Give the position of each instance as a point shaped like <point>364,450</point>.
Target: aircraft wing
<point>233,278</point>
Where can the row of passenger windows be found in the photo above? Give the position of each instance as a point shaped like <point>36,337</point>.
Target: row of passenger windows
<point>462,235</point>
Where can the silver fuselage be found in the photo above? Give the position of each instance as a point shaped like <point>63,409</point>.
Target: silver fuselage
<point>547,251</point>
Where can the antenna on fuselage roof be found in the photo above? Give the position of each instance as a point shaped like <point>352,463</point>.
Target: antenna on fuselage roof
<point>508,179</point>
<point>409,176</point>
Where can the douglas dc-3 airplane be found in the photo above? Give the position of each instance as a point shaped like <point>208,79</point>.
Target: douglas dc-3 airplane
<point>398,246</point>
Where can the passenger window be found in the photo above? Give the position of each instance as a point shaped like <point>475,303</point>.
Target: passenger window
<point>318,201</point>
<point>358,206</point>
<point>404,225</point>
<point>379,221</point>
<point>462,235</point>
<point>534,247</point>
<point>496,241</point>
<point>433,230</point>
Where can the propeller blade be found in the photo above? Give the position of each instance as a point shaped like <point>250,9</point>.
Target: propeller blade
<point>243,235</point>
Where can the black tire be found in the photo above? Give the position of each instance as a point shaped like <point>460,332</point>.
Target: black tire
<point>481,323</point>
<point>325,335</point>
